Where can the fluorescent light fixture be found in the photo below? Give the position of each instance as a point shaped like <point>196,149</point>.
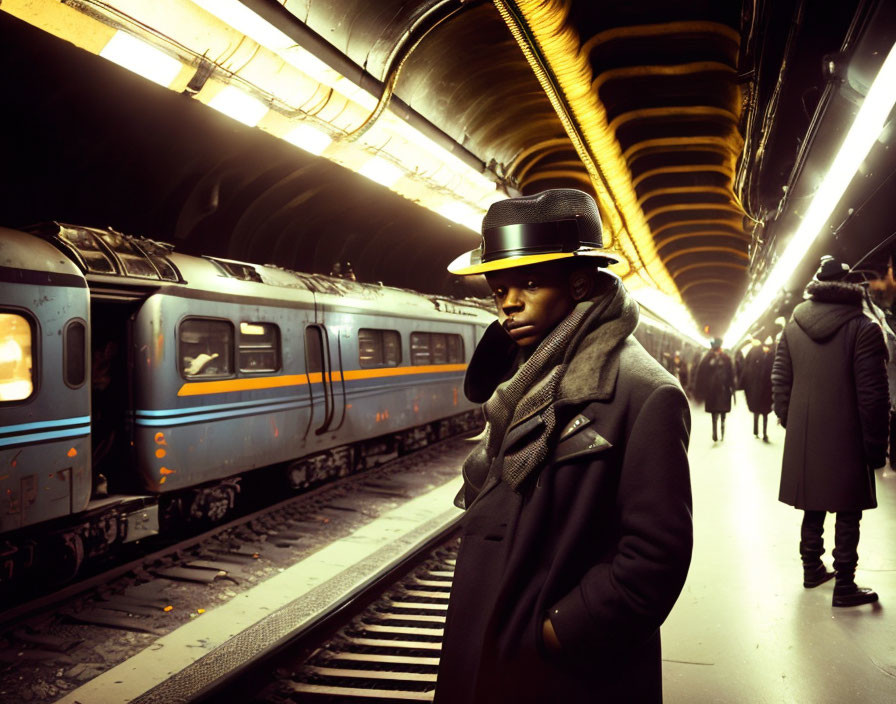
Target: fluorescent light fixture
<point>244,20</point>
<point>309,138</point>
<point>141,58</point>
<point>861,137</point>
<point>462,214</point>
<point>236,104</point>
<point>382,171</point>
<point>671,311</point>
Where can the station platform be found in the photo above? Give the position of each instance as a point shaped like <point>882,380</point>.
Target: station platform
<point>744,630</point>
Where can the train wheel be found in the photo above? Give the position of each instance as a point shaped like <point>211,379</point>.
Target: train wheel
<point>62,557</point>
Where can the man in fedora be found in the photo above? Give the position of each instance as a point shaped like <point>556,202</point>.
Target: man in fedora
<point>577,535</point>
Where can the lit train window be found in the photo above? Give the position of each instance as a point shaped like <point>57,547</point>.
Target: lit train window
<point>379,348</point>
<point>436,348</point>
<point>259,347</point>
<point>206,348</point>
<point>16,372</point>
<point>74,360</point>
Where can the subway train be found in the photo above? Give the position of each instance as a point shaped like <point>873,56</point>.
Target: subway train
<point>139,385</point>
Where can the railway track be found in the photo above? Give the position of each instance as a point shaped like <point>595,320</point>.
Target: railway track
<point>384,647</point>
<point>75,636</point>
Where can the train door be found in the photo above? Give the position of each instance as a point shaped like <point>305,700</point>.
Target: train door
<point>111,392</point>
<point>323,362</point>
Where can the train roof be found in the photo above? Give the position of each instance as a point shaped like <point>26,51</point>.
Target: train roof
<point>22,252</point>
<point>107,256</point>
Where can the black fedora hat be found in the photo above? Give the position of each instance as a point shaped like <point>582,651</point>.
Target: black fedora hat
<point>553,224</point>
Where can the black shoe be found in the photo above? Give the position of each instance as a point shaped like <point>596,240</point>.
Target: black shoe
<point>854,596</point>
<point>812,577</point>
<point>765,439</point>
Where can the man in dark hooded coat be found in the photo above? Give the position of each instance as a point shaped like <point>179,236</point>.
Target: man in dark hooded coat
<point>757,384</point>
<point>577,535</point>
<point>829,383</point>
<point>715,385</point>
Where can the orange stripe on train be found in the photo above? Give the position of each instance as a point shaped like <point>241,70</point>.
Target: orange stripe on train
<point>223,386</point>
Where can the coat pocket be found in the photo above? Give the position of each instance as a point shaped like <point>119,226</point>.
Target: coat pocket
<point>579,445</point>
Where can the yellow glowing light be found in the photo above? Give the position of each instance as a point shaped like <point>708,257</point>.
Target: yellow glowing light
<point>141,58</point>
<point>309,138</point>
<point>462,214</point>
<point>382,171</point>
<point>866,128</point>
<point>241,107</point>
<point>671,311</point>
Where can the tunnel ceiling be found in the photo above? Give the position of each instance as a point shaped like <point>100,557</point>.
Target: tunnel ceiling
<point>670,112</point>
<point>663,73</point>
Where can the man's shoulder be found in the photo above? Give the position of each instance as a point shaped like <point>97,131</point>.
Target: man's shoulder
<point>639,373</point>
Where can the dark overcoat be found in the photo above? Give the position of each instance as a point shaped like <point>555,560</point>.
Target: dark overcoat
<point>599,539</point>
<point>829,383</point>
<point>715,382</point>
<point>757,379</point>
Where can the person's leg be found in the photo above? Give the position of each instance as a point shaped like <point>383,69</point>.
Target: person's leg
<point>846,557</point>
<point>756,424</point>
<point>812,548</point>
<point>765,427</point>
<point>723,426</point>
<point>715,424</point>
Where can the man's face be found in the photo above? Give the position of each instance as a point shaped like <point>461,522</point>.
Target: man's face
<point>531,300</point>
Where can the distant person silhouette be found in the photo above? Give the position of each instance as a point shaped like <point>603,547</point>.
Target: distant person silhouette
<point>715,385</point>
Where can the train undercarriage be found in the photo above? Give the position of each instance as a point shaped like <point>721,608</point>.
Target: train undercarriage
<point>53,554</point>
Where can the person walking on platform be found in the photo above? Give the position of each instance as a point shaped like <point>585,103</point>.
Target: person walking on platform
<point>577,534</point>
<point>680,369</point>
<point>757,380</point>
<point>715,385</point>
<point>829,384</point>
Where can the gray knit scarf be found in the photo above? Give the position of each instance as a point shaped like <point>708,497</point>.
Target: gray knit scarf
<point>600,325</point>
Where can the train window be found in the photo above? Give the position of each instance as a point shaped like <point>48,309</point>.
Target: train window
<point>74,360</point>
<point>314,349</point>
<point>206,348</point>
<point>16,371</point>
<point>420,352</point>
<point>259,347</point>
<point>133,261</point>
<point>391,348</point>
<point>436,348</point>
<point>455,349</point>
<point>379,348</point>
<point>236,270</point>
<point>94,255</point>
<point>439,348</point>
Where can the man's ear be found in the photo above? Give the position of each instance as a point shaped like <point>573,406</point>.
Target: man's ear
<point>580,284</point>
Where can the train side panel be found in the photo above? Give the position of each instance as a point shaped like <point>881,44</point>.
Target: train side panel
<point>385,396</point>
<point>44,384</point>
<point>195,422</point>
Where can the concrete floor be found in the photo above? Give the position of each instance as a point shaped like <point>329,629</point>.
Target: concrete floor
<point>744,628</point>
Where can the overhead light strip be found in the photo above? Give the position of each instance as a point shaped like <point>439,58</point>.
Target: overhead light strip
<point>258,75</point>
<point>865,130</point>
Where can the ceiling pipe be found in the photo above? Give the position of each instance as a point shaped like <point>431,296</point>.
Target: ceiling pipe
<point>275,13</point>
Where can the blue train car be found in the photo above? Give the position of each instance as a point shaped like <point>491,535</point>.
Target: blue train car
<point>134,379</point>
<point>44,383</point>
